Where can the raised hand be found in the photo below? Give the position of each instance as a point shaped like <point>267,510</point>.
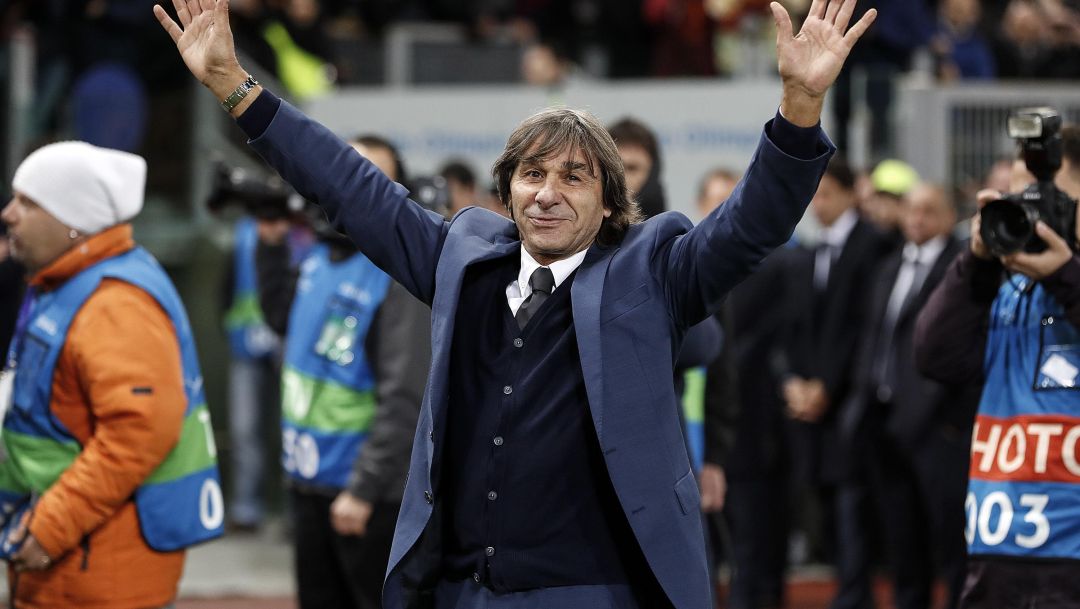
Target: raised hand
<point>205,42</point>
<point>810,62</point>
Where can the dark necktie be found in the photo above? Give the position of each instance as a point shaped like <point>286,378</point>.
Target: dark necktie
<point>541,282</point>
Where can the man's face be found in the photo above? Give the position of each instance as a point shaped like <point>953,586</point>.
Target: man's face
<point>379,157</point>
<point>717,191</point>
<point>637,164</point>
<point>557,204</point>
<point>831,200</point>
<point>36,237</point>
<point>461,196</point>
<point>926,214</point>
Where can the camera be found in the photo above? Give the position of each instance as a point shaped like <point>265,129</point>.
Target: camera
<point>432,193</point>
<point>1008,224</point>
<point>261,196</point>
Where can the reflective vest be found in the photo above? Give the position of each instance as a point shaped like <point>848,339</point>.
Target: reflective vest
<point>249,336</point>
<point>693,405</point>
<point>327,383</point>
<point>180,503</point>
<point>1024,491</point>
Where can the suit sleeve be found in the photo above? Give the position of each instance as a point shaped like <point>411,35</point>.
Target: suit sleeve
<point>702,265</point>
<point>120,340</point>
<point>397,234</point>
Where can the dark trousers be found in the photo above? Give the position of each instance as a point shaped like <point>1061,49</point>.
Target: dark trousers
<point>335,571</point>
<point>756,511</point>
<point>469,595</point>
<point>1016,584</point>
<point>854,516</point>
<point>904,506</point>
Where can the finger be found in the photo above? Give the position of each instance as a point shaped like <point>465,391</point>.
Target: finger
<point>985,196</point>
<point>18,535</point>
<point>860,27</point>
<point>844,16</point>
<point>166,22</point>
<point>817,9</point>
<point>1052,239</point>
<point>180,6</point>
<point>783,22</point>
<point>207,5</point>
<point>194,9</point>
<point>831,11</point>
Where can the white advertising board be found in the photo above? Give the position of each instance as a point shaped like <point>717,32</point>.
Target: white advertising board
<point>701,124</point>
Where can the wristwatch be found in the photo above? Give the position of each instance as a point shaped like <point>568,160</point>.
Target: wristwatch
<point>239,93</point>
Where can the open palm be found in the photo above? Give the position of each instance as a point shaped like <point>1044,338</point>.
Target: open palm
<point>203,36</point>
<point>812,60</point>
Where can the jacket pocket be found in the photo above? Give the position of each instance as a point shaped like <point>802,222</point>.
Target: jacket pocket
<point>686,491</point>
<point>624,304</point>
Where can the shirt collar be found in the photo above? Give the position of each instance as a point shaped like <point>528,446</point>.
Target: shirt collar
<point>837,234</point>
<point>561,269</point>
<point>927,253</point>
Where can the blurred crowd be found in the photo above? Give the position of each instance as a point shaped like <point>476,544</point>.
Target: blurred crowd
<point>85,46</point>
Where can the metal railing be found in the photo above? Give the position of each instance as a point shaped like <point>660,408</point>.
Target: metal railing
<point>954,134</point>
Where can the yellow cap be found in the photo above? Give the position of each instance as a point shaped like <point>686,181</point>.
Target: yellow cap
<point>894,177</point>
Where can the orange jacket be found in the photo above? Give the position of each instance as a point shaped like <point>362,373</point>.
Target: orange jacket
<point>120,339</point>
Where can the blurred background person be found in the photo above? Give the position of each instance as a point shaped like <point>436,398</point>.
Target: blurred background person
<point>254,375</point>
<point>640,153</point>
<point>829,286</point>
<point>881,203</point>
<point>746,463</point>
<point>357,352</point>
<point>908,436</point>
<point>461,181</point>
<point>110,462</point>
<point>961,52</point>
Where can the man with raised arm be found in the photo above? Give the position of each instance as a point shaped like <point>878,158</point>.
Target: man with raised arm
<point>548,468</point>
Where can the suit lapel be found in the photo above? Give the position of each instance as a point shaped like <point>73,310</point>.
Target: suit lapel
<point>457,256</point>
<point>586,295</point>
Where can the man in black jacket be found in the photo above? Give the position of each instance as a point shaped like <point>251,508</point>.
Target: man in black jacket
<point>828,285</point>
<point>912,433</point>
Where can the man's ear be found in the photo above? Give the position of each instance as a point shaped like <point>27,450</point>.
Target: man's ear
<point>607,211</point>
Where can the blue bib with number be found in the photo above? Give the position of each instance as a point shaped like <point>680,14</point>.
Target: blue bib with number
<point>327,383</point>
<point>1024,492</point>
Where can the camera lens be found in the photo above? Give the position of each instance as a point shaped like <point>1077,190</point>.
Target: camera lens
<point>1007,225</point>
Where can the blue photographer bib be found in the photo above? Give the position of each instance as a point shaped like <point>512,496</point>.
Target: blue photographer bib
<point>328,397</point>
<point>1024,492</point>
<point>180,503</point>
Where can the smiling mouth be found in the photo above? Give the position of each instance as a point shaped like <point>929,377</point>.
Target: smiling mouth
<point>545,221</point>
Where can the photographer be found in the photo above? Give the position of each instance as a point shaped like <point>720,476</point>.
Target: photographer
<point>1018,337</point>
<point>356,357</point>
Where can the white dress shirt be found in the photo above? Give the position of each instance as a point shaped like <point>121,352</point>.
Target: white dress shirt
<point>519,289</point>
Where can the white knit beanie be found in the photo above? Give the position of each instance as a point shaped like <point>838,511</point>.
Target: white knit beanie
<point>83,186</point>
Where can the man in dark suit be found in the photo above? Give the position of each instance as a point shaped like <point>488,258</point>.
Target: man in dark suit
<point>549,468</point>
<point>913,433</point>
<point>827,286</point>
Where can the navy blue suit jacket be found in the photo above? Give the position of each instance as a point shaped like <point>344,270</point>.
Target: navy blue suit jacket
<point>632,304</point>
